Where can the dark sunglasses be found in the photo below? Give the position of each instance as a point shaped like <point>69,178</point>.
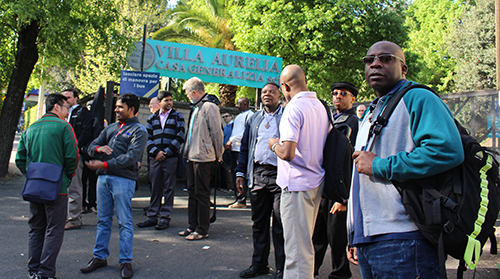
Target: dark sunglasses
<point>342,93</point>
<point>226,116</point>
<point>384,58</point>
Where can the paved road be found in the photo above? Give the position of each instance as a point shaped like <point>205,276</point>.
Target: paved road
<point>157,254</point>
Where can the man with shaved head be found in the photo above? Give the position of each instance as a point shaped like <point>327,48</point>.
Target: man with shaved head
<point>303,130</point>
<point>154,105</point>
<point>419,140</point>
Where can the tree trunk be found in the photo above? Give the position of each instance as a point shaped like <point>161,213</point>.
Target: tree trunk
<point>227,95</point>
<point>26,58</point>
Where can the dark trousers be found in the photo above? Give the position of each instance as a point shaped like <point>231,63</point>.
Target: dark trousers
<point>89,190</point>
<point>199,175</point>
<point>240,197</point>
<point>265,198</point>
<point>331,229</point>
<point>46,235</point>
<point>163,176</point>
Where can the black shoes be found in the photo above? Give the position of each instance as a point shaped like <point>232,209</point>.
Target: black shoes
<point>93,265</point>
<point>279,274</point>
<point>147,223</point>
<point>127,270</point>
<point>162,225</point>
<point>254,271</point>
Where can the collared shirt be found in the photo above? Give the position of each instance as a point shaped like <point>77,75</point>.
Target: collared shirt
<point>163,117</point>
<point>71,112</point>
<point>305,122</point>
<point>268,128</point>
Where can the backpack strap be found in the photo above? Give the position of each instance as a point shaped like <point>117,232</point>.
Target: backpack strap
<point>383,118</point>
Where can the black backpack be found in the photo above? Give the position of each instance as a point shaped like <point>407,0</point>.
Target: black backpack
<point>337,161</point>
<point>455,210</point>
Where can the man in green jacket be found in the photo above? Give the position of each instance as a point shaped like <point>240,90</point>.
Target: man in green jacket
<point>50,140</point>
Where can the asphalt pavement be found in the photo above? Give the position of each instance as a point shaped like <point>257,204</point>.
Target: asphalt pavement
<point>157,254</point>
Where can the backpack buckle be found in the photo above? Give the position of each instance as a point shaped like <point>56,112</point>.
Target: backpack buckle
<point>449,203</point>
<point>448,227</point>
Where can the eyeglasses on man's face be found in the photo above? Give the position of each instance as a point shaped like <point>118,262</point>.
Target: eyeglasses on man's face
<point>224,116</point>
<point>384,58</point>
<point>342,93</point>
<point>66,106</point>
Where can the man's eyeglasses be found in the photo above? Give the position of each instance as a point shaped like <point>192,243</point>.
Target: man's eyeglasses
<point>342,93</point>
<point>384,58</point>
<point>224,116</point>
<point>66,106</point>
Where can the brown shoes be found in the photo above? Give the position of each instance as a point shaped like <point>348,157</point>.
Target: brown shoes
<point>237,205</point>
<point>127,271</point>
<point>93,265</point>
<point>71,226</point>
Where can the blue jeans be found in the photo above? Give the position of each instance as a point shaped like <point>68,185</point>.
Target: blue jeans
<point>114,192</point>
<point>399,258</point>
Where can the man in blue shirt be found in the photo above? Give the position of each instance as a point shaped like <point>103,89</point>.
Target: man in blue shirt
<point>227,130</point>
<point>258,166</point>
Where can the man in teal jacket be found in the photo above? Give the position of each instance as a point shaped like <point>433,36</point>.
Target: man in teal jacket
<point>420,140</point>
<point>50,140</point>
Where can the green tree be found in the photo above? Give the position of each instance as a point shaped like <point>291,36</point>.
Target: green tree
<point>326,38</point>
<point>430,24</point>
<point>473,47</point>
<point>204,23</point>
<point>58,31</point>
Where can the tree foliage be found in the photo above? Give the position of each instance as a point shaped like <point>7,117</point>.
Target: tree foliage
<point>326,38</point>
<point>473,46</point>
<point>57,31</point>
<point>430,24</point>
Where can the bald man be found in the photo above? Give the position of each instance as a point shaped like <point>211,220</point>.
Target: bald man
<point>303,130</point>
<point>422,142</point>
<point>360,110</point>
<point>154,105</point>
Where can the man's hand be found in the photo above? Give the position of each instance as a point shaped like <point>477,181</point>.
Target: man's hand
<point>271,142</point>
<point>94,164</point>
<point>228,145</point>
<point>239,184</point>
<point>337,208</point>
<point>363,161</point>
<point>139,165</point>
<point>352,255</point>
<point>105,149</point>
<point>160,156</point>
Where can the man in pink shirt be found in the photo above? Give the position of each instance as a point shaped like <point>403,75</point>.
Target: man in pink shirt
<point>303,131</point>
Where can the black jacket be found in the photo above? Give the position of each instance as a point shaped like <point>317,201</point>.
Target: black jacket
<point>81,122</point>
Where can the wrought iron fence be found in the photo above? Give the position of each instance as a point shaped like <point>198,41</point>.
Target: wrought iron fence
<point>478,112</point>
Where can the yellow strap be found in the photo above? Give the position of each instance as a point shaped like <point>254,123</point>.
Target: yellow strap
<point>474,245</point>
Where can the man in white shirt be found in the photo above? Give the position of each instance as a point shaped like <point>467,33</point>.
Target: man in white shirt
<point>234,145</point>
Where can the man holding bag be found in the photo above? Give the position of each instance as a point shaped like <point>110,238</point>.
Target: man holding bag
<point>55,137</point>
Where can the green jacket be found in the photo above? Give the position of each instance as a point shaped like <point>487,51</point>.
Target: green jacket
<point>51,140</point>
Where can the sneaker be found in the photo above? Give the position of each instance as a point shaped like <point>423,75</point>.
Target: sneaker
<point>237,205</point>
<point>93,210</point>
<point>33,275</point>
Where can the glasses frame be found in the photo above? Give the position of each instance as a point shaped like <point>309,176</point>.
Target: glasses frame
<point>375,57</point>
<point>343,93</point>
